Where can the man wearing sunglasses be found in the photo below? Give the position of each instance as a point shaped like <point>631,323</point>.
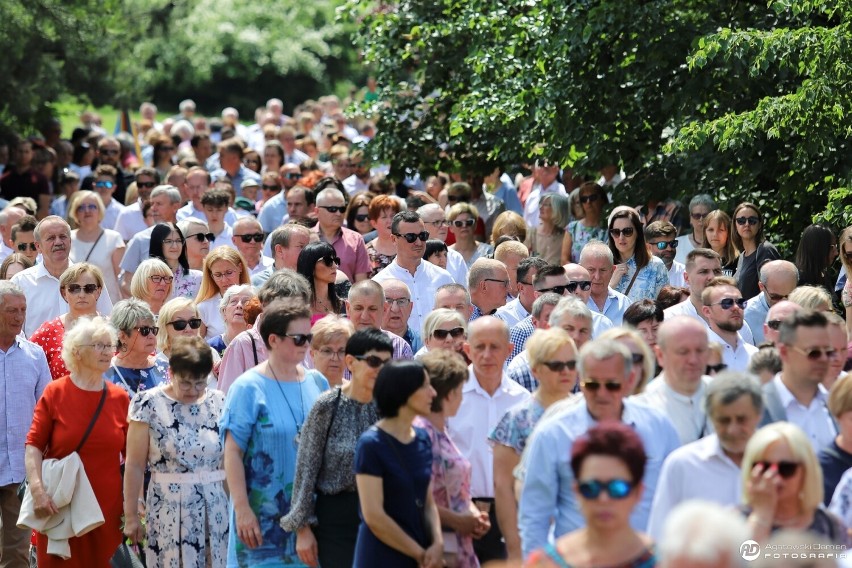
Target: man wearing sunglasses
<point>604,367</point>
<point>360,179</point>
<point>130,221</point>
<point>248,238</point>
<point>796,393</point>
<point>661,237</point>
<point>723,309</point>
<point>488,282</point>
<point>776,279</point>
<point>348,244</point>
<point>777,314</point>
<point>438,228</point>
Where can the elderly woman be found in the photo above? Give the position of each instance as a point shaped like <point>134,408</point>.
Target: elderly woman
<point>14,263</point>
<point>152,283</point>
<point>324,514</point>
<point>444,329</point>
<point>174,432</point>
<point>262,424</point>
<point>328,348</point>
<point>231,307</point>
<point>134,368</point>
<point>592,199</point>
<point>637,274</point>
<point>382,249</point>
<point>553,363</point>
<point>608,458</point>
<point>197,238</point>
<point>91,243</point>
<point>699,207</point>
<point>782,485</point>
<point>717,236</point>
<point>750,239</point>
<point>82,413</point>
<point>80,286</point>
<point>462,218</point>
<point>179,318</point>
<point>167,244</point>
<point>224,267</point>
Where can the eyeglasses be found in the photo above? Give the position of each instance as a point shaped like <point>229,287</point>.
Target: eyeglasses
<point>453,198</point>
<point>595,386</point>
<point>559,366</point>
<point>371,360</point>
<point>728,303</point>
<point>698,216</point>
<point>292,176</point>
<point>299,339</point>
<point>332,354</point>
<point>333,208</point>
<point>200,237</point>
<point>187,386</point>
<point>627,232</point>
<point>664,244</point>
<point>167,148</point>
<point>505,283</point>
<point>157,279</point>
<point>361,217</point>
<point>145,183</point>
<point>247,238</point>
<point>170,242</point>
<point>77,288</point>
<point>104,184</point>
<point>584,285</point>
<point>786,469</point>
<point>23,246</point>
<point>464,223</point>
<point>558,290</point>
<point>270,187</point>
<point>773,324</point>
<point>101,346</point>
<point>220,275</point>
<point>815,354</point>
<point>615,488</point>
<point>442,334</point>
<point>637,358</point>
<point>750,220</point>
<point>180,325</point>
<point>330,261</point>
<point>401,303</point>
<point>777,297</point>
<point>411,237</point>
<point>712,369</point>
<point>87,207</point>
<point>146,330</point>
<point>589,198</point>
<point>438,224</point>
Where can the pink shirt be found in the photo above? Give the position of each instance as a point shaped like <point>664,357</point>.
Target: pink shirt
<point>239,357</point>
<point>350,247</point>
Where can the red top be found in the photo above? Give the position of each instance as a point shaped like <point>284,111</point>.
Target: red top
<point>49,337</point>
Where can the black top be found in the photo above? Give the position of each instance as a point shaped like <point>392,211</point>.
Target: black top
<point>834,462</point>
<point>748,266</point>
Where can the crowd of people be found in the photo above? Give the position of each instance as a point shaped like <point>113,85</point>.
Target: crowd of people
<point>234,345</point>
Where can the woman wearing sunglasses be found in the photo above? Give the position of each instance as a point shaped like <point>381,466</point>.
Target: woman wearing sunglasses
<point>168,244</point>
<point>318,263</point>
<point>608,463</point>
<point>324,513</point>
<point>593,200</point>
<point>382,249</point>
<point>444,329</point>
<point>197,237</point>
<point>224,267</point>
<point>179,318</point>
<point>134,368</point>
<point>90,242</point>
<point>553,363</point>
<point>358,215</point>
<point>152,283</point>
<point>462,218</point>
<point>638,274</point>
<point>755,248</point>
<point>699,207</point>
<point>782,485</point>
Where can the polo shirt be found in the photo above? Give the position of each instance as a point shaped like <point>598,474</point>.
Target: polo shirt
<point>737,359</point>
<point>189,210</point>
<point>349,246</point>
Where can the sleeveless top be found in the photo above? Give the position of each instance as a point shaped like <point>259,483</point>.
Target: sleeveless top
<point>645,560</point>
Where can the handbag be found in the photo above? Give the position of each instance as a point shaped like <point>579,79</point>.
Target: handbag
<point>25,484</point>
<point>125,557</point>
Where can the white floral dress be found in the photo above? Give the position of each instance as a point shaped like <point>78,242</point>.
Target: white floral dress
<point>187,523</point>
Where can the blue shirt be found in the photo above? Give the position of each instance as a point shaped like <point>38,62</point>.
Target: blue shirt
<point>648,283</point>
<point>237,180</point>
<point>755,314</point>
<point>272,213</point>
<point>548,485</point>
<point>614,307</point>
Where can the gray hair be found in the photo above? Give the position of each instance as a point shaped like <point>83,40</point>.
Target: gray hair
<point>4,214</point>
<point>46,220</point>
<point>127,313</point>
<point>233,291</point>
<point>603,349</point>
<point>455,288</point>
<point>81,333</point>
<point>7,288</point>
<point>705,532</point>
<point>282,235</point>
<point>190,221</point>
<point>702,199</point>
<point>285,283</point>
<point>170,190</point>
<point>546,299</point>
<point>569,306</point>
<point>439,316</point>
<point>727,387</point>
<point>329,192</point>
<point>561,206</point>
<point>429,208</point>
<point>366,288</point>
<point>595,248</point>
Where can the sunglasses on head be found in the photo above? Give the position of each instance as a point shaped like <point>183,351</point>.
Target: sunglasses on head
<point>627,232</point>
<point>786,469</point>
<point>584,285</point>
<point>559,366</point>
<point>104,184</point>
<point>712,369</point>
<point>615,488</point>
<point>77,288</point>
<point>330,261</point>
<point>23,246</point>
<point>180,325</point>
<point>464,223</point>
<point>595,386</point>
<point>333,208</point>
<point>411,237</point>
<point>589,198</point>
<point>728,303</point>
<point>750,220</point>
<point>247,238</point>
<point>455,333</point>
<point>361,217</point>
<point>299,339</point>
<point>200,237</point>
<point>371,360</point>
<point>146,330</point>
<point>666,244</point>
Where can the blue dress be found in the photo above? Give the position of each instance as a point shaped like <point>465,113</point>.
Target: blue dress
<point>402,485</point>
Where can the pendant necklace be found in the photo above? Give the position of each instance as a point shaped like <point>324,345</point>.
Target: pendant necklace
<point>298,424</point>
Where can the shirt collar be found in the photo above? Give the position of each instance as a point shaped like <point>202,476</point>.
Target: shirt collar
<point>695,399</point>
<point>787,397</point>
<point>472,384</point>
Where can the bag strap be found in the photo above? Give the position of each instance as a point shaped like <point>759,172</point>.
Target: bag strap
<point>253,348</point>
<point>94,245</point>
<point>632,280</point>
<point>330,422</point>
<point>94,419</point>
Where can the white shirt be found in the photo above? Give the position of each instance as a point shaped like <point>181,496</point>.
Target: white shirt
<point>686,412</point>
<point>512,313</point>
<point>353,185</point>
<point>686,308</point>
<point>43,299</point>
<point>265,262</point>
<point>600,323</point>
<point>111,213</point>
<point>478,415</point>
<point>699,470</point>
<point>736,359</point>
<point>614,307</point>
<point>130,221</point>
<point>224,238</point>
<point>189,210</point>
<point>676,274</point>
<point>534,198</point>
<point>457,267</point>
<point>5,251</point>
<point>208,310</point>
<point>423,286</point>
<point>815,419</point>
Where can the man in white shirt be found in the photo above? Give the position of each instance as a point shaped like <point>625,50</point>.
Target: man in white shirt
<point>723,308</point>
<point>702,266</point>
<point>398,313</point>
<point>547,183</point>
<point>597,259</point>
<point>437,226</point>
<point>487,395</point>
<point>359,181</point>
<point>198,181</point>
<point>520,308</point>
<point>130,221</point>
<point>8,218</point>
<point>579,285</point>
<point>248,239</point>
<point>661,237</point>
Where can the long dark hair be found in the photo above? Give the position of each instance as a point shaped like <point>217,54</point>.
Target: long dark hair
<point>812,255</point>
<point>306,264</point>
<point>160,232</point>
<point>640,251</point>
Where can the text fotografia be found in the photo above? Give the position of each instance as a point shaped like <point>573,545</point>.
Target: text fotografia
<point>751,550</point>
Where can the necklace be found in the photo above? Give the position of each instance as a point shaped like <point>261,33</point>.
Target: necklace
<point>298,424</point>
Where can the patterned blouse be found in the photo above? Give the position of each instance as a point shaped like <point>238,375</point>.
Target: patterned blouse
<point>649,281</point>
<point>378,261</point>
<point>580,235</point>
<point>517,424</point>
<point>186,285</point>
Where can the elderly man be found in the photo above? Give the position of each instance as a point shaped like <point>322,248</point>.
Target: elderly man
<point>398,314</point>
<point>775,316</point>
<point>548,490</point>
<point>198,181</point>
<point>454,297</point>
<point>598,260</point>
<point>23,376</point>
<point>488,282</point>
<point>723,309</point>
<point>41,282</point>
<point>109,154</point>
<point>702,534</point>
<point>777,278</point>
<point>437,226</point>
<point>661,237</point>
<point>679,391</point>
<point>348,244</point>
<point>796,393</point>
<point>231,168</point>
<point>511,253</point>
<point>130,220</point>
<point>274,211</point>
<point>366,307</point>
<point>8,218</point>
<point>286,242</point>
<point>248,239</point>
<point>709,468</point>
<point>422,278</point>
<point>487,395</point>
<point>519,309</point>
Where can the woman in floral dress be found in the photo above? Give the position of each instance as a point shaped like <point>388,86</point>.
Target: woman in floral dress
<point>169,245</point>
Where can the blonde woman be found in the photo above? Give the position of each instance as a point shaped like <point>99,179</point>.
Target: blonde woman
<point>92,243</point>
<point>223,267</point>
<point>444,329</point>
<point>152,283</point>
<point>811,298</point>
<point>328,347</point>
<point>644,362</point>
<point>462,218</point>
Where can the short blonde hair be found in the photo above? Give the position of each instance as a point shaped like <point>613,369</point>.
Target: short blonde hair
<point>811,298</point>
<point>648,365</point>
<point>506,248</point>
<point>74,271</point>
<point>439,316</point>
<point>167,312</point>
<point>460,208</point>
<point>800,447</point>
<point>148,268</point>
<point>840,397</point>
<point>544,343</point>
<point>82,333</point>
<point>78,198</point>
<point>329,328</point>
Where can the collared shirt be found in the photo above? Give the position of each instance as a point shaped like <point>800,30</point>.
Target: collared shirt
<point>520,372</point>
<point>736,359</point>
<point>351,249</point>
<point>815,419</point>
<point>237,180</point>
<point>138,250</point>
<point>478,414</point>
<point>130,221</point>
<point>548,484</point>
<point>614,306</point>
<point>512,313</point>
<point>353,184</point>
<point>755,314</point>
<point>413,339</point>
<point>23,375</point>
<point>508,194</point>
<point>111,213</point>
<point>265,262</point>
<point>686,412</point>
<point>43,299</point>
<point>685,308</point>
<point>534,198</point>
<point>259,279</point>
<point>423,286</point>
<point>189,210</point>
<point>699,470</point>
<point>648,282</point>
<point>272,212</point>
<point>518,336</point>
<point>676,274</point>
<point>457,267</point>
<point>224,239</point>
<point>297,157</point>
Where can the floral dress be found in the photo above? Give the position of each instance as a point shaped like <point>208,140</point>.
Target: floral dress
<point>580,235</point>
<point>451,485</point>
<point>650,280</point>
<point>517,424</point>
<point>378,261</point>
<point>186,285</point>
<point>187,523</point>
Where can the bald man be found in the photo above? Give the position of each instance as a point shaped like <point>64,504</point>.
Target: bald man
<point>488,282</point>
<point>776,315</point>
<point>580,285</point>
<point>777,279</point>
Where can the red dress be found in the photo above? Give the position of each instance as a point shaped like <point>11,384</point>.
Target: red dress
<point>61,417</point>
<point>49,337</point>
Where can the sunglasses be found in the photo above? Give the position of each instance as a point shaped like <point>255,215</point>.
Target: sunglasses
<point>453,198</point>
<point>270,187</point>
<point>465,223</point>
<point>698,216</point>
<point>157,279</point>
<point>104,184</point>
<point>333,208</point>
<point>292,176</point>
<point>87,207</point>
<point>558,290</point>
<point>559,366</point>
<point>712,369</point>
<point>584,285</point>
<point>108,151</point>
<point>200,237</point>
<point>299,339</point>
<point>23,246</point>
<point>77,288</point>
<point>330,261</point>
<point>627,232</point>
<point>615,488</point>
<point>786,469</point>
<point>505,283</point>
<point>146,330</point>
<point>589,198</point>
<point>595,386</point>
<point>777,297</point>
<point>371,360</point>
<point>815,354</point>
<point>728,303</point>
<point>145,183</point>
<point>750,220</point>
<point>180,325</point>
<point>411,237</point>
<point>773,324</point>
<point>666,244</point>
<point>256,237</point>
<point>442,334</point>
<point>360,217</point>
<point>442,223</point>
<point>637,358</point>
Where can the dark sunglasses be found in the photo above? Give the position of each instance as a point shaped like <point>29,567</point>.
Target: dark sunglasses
<point>559,366</point>
<point>270,187</point>
<point>584,285</point>
<point>773,324</point>
<point>728,303</point>
<point>637,358</point>
<point>330,261</point>
<point>108,151</point>
<point>777,297</point>
<point>361,217</point>
<point>815,354</point>
<point>333,208</point>
<point>76,288</point>
<point>292,176</point>
<point>146,330</point>
<point>411,237</point>
<point>256,237</point>
<point>698,216</point>
<point>146,183</point>
<point>371,360</point>
<point>615,488</point>
<point>465,223</point>
<point>299,339</point>
<point>23,246</point>
<point>589,198</point>
<point>104,184</point>
<point>201,236</point>
<point>664,244</point>
<point>715,368</point>
<point>750,220</point>
<point>180,325</point>
<point>453,198</point>
<point>456,332</point>
<point>627,232</point>
<point>558,290</point>
<point>786,469</point>
<point>595,386</point>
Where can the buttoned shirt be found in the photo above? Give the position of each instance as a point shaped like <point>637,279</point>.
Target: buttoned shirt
<point>43,299</point>
<point>649,280</point>
<point>130,221</point>
<point>614,306</point>
<point>422,285</point>
<point>548,484</point>
<point>686,412</point>
<point>755,315</point>
<point>478,414</point>
<point>699,470</point>
<point>237,179</point>
<point>518,336</point>
<point>815,419</point>
<point>520,372</point>
<point>137,251</point>
<point>676,274</point>
<point>265,262</point>
<point>259,279</point>
<point>223,238</point>
<point>736,359</point>
<point>457,267</point>
<point>353,184</point>
<point>534,198</point>
<point>685,308</point>
<point>189,211</point>
<point>512,313</point>
<point>351,249</point>
<point>23,375</point>
<point>272,212</point>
